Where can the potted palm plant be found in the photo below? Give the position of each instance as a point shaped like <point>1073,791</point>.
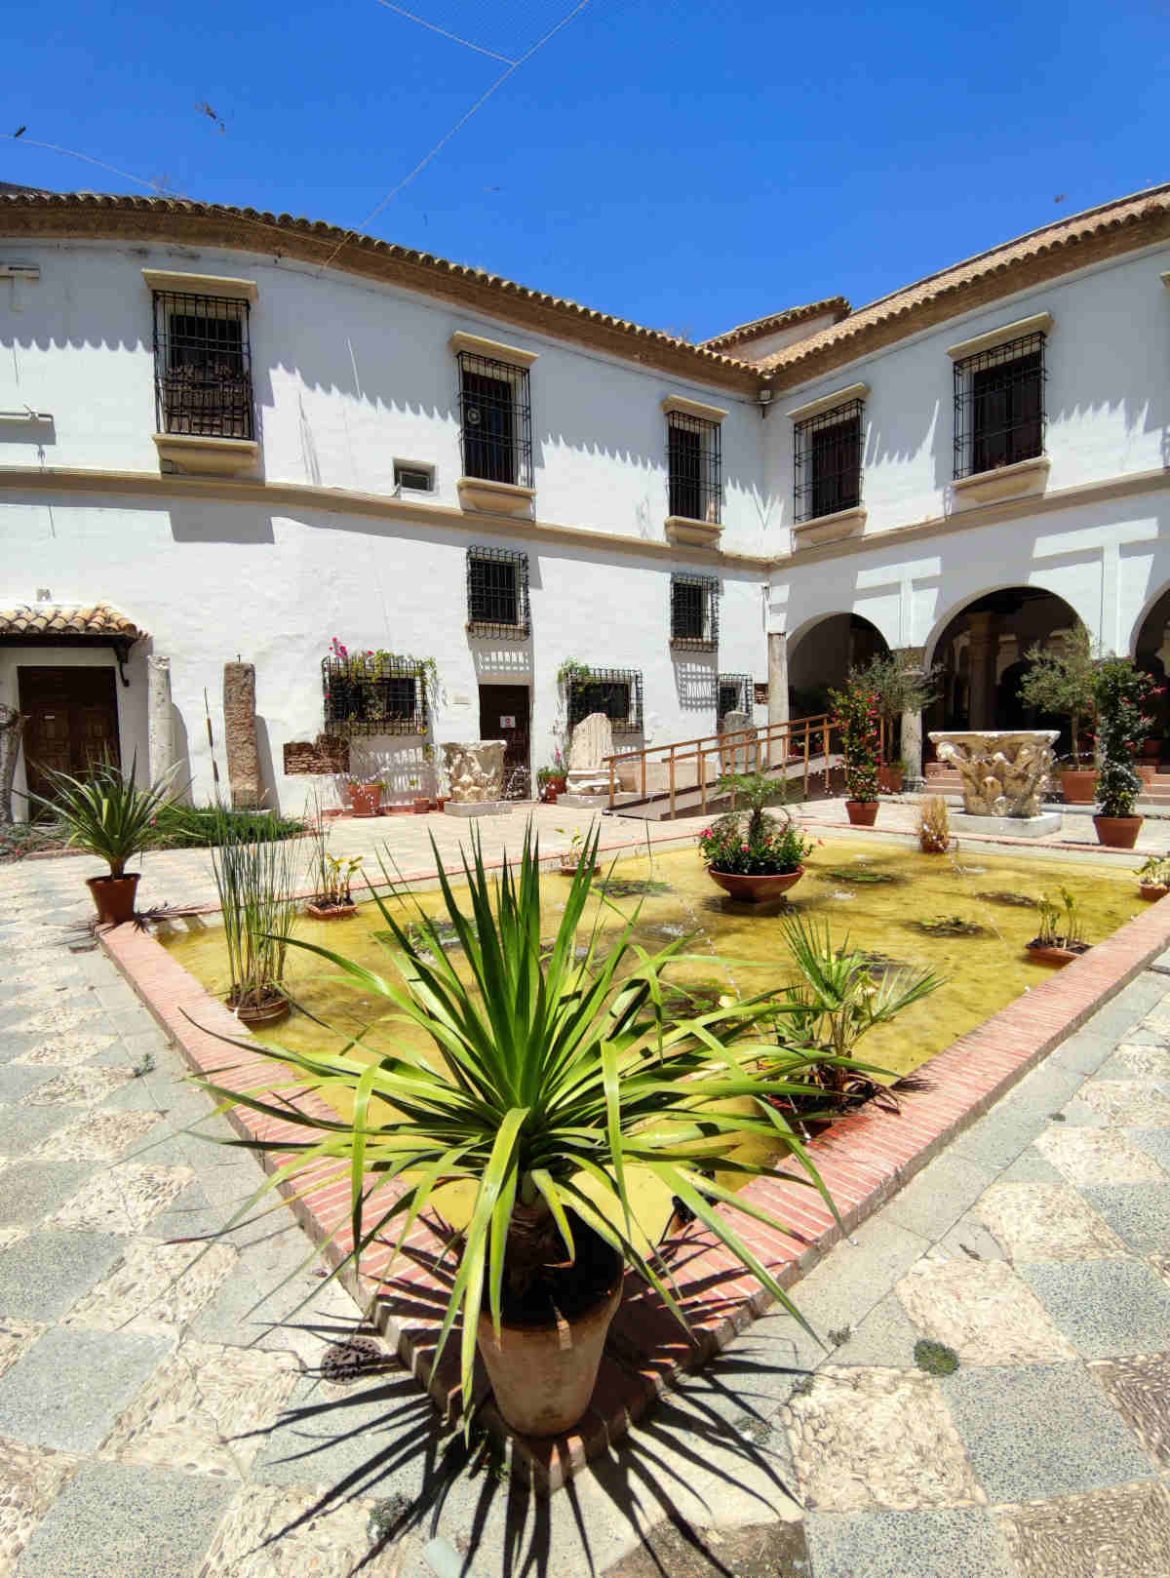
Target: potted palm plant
<point>1062,681</point>
<point>110,816</point>
<point>750,855</point>
<point>255,883</point>
<point>554,1074</point>
<point>856,717</point>
<point>1121,693</point>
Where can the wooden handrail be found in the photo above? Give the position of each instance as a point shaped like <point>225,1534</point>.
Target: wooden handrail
<point>770,744</point>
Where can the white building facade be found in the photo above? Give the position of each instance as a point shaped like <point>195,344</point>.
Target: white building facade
<point>230,438</point>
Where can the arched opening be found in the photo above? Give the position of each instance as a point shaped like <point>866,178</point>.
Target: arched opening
<point>982,655</point>
<point>1152,653</point>
<point>820,659</point>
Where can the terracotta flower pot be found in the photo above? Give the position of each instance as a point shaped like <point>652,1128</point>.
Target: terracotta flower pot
<point>329,911</point>
<point>746,889</point>
<point>421,804</point>
<point>543,1376</point>
<point>1118,832</point>
<point>1153,890</point>
<point>1078,785</point>
<point>270,1011</point>
<point>365,799</point>
<point>1053,953</point>
<point>862,813</point>
<point>113,897</point>
<point>1152,749</point>
<point>890,780</point>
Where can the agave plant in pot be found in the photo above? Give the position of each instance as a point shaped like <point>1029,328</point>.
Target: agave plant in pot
<point>110,816</point>
<point>751,855</point>
<point>1122,692</point>
<point>255,883</point>
<point>856,717</point>
<point>544,1075</point>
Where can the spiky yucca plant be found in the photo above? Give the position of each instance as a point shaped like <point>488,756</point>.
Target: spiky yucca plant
<point>556,1063</point>
<point>107,814</point>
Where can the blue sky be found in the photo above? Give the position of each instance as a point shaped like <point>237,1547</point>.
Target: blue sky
<point>688,166</point>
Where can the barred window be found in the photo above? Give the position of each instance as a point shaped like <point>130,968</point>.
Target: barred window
<point>497,593</point>
<point>694,612</point>
<point>495,417</point>
<point>827,455</point>
<point>735,694</point>
<point>202,366</point>
<point>999,406</point>
<point>614,691</point>
<point>379,694</point>
<point>694,467</point>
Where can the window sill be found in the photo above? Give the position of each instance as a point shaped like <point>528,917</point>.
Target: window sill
<point>497,498</point>
<point>694,644</point>
<point>684,532</point>
<point>1005,482</point>
<point>830,528</point>
<point>214,457</point>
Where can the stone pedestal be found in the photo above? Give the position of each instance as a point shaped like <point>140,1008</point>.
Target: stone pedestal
<point>475,773</point>
<point>1007,826</point>
<point>160,733</point>
<point>1004,772</point>
<point>239,720</point>
<point>588,772</point>
<point>466,808</point>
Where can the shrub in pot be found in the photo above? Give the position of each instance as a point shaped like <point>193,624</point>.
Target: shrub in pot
<point>900,688</point>
<point>554,1062</point>
<point>856,717</point>
<point>1122,692</point>
<point>110,816</point>
<point>753,857</point>
<point>1062,681</point>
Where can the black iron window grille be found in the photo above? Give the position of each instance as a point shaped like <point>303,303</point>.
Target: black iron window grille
<point>615,691</point>
<point>694,467</point>
<point>735,694</point>
<point>827,461</point>
<point>495,420</point>
<point>999,406</point>
<point>694,612</point>
<point>202,366</point>
<point>376,695</point>
<point>497,593</point>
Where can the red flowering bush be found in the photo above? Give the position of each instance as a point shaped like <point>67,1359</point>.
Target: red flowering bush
<point>747,842</point>
<point>856,717</point>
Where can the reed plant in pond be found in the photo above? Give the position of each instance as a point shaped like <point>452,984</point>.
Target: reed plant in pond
<point>560,1070</point>
<point>255,883</point>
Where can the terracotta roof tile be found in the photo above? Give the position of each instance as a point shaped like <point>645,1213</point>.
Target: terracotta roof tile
<point>65,620</point>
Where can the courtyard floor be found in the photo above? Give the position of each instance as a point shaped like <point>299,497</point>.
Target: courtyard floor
<point>160,1417</point>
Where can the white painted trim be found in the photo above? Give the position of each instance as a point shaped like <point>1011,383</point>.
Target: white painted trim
<point>1038,323</point>
<point>706,413</point>
<point>201,284</point>
<point>801,413</point>
<point>494,350</point>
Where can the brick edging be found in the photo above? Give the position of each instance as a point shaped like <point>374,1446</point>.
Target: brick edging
<point>864,1160</point>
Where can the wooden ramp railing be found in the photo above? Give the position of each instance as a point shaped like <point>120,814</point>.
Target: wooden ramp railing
<point>687,766</point>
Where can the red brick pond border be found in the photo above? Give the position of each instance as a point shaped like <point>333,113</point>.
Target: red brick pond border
<point>864,1159</point>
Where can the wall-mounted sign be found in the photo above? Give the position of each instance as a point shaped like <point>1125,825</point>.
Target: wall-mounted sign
<point>508,721</point>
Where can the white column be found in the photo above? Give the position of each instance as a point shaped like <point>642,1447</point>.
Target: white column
<point>160,728</point>
<point>777,676</point>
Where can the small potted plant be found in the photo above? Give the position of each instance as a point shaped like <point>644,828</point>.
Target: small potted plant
<point>420,804</point>
<point>892,776</point>
<point>856,717</point>
<point>571,858</point>
<point>934,826</point>
<point>365,796</point>
<point>254,881</point>
<point>331,875</point>
<point>1063,681</point>
<point>1061,937</point>
<point>1122,691</point>
<point>552,780</point>
<point>1154,877</point>
<point>899,688</point>
<point>751,856</point>
<point>110,816</point>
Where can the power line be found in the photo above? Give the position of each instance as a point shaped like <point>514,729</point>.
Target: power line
<point>443,33</point>
<point>458,127</point>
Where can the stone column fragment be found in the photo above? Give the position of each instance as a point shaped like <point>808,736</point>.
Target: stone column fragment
<point>239,718</point>
<point>160,732</point>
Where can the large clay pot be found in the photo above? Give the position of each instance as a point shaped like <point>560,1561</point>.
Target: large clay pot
<point>1078,785</point>
<point>1153,890</point>
<point>890,780</point>
<point>365,799</point>
<point>1053,953</point>
<point>113,897</point>
<point>1118,832</point>
<point>755,890</point>
<point>862,813</point>
<point>543,1376</point>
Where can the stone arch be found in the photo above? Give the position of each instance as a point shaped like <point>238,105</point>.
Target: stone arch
<point>980,650</point>
<point>1150,650</point>
<point>821,653</point>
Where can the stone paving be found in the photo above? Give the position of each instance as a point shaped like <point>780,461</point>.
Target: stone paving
<point>160,1416</point>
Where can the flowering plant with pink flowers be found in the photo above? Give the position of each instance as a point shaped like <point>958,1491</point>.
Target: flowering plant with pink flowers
<point>857,718</point>
<point>747,842</point>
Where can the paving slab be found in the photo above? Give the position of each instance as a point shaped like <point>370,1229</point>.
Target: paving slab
<point>1038,1221</point>
<point>43,1274</point>
<point>931,1543</point>
<point>69,1387</point>
<point>1105,1307</point>
<point>1117,1533</point>
<point>1139,1388</point>
<point>982,1310</point>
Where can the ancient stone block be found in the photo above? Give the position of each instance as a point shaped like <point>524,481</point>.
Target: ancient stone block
<point>327,754</point>
<point>239,717</point>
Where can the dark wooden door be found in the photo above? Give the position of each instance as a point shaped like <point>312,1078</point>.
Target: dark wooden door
<point>503,715</point>
<point>72,721</point>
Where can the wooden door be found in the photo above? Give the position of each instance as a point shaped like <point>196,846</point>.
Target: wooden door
<point>72,722</point>
<point>504,715</point>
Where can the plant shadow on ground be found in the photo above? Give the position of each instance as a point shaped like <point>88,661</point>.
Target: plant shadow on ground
<point>650,1496</point>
